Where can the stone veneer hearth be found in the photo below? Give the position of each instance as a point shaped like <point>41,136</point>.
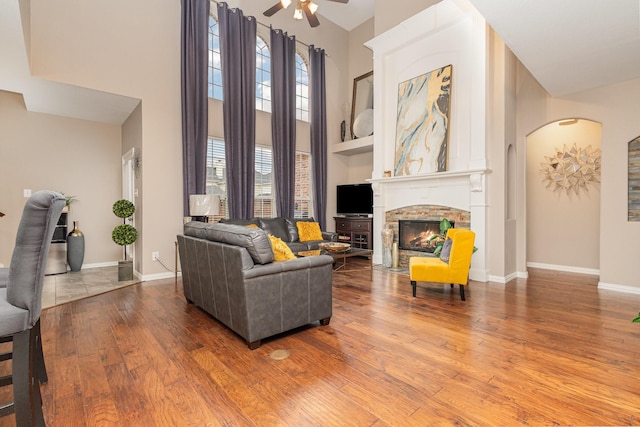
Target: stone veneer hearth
<point>425,212</point>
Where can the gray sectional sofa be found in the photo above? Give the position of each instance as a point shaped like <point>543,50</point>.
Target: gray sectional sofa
<point>285,229</point>
<point>228,271</point>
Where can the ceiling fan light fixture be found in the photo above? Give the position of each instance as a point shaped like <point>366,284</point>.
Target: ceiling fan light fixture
<point>285,3</point>
<point>313,7</point>
<point>297,14</point>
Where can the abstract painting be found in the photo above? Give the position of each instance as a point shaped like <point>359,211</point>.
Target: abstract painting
<point>422,123</point>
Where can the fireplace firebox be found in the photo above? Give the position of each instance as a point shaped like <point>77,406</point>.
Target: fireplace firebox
<point>414,234</point>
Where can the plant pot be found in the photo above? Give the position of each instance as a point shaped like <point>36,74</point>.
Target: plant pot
<point>125,270</point>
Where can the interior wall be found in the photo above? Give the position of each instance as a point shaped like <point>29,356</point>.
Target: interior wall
<point>390,13</point>
<point>76,157</point>
<point>359,168</point>
<point>573,219</point>
<point>118,47</point>
<point>615,107</point>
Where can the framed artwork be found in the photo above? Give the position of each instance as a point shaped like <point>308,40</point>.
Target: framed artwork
<point>422,123</point>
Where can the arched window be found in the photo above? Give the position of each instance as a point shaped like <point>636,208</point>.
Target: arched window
<point>215,70</point>
<point>263,76</point>
<point>302,89</point>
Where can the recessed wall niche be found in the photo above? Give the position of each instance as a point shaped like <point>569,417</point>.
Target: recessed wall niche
<point>634,180</point>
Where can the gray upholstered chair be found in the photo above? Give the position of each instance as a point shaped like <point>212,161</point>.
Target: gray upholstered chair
<point>21,305</point>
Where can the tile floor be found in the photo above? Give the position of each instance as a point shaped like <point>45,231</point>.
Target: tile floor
<point>70,286</point>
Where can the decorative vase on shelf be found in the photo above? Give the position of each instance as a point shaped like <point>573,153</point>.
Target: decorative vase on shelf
<point>387,242</point>
<point>75,248</point>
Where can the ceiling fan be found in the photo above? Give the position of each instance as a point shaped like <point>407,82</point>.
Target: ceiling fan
<point>306,7</point>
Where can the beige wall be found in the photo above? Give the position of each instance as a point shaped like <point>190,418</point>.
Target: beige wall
<point>615,107</point>
<point>119,47</point>
<point>77,157</point>
<point>120,50</point>
<point>388,13</point>
<point>573,219</point>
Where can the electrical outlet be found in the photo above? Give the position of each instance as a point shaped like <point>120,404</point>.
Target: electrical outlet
<point>155,255</point>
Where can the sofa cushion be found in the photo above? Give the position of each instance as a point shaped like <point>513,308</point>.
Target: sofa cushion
<point>281,251</point>
<point>196,229</point>
<point>309,231</point>
<point>255,241</point>
<point>275,226</point>
<point>244,222</point>
<point>292,226</point>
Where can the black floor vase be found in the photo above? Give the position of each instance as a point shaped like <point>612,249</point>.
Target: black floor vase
<point>75,248</point>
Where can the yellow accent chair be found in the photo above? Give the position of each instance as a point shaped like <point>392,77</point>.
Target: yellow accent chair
<point>456,271</point>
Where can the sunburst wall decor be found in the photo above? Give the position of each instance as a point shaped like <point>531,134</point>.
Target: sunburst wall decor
<point>571,169</point>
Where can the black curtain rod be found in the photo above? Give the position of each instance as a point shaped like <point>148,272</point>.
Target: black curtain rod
<point>269,26</point>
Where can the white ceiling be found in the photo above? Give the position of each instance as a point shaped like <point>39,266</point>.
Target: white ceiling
<point>45,96</point>
<point>349,15</point>
<point>570,45</point>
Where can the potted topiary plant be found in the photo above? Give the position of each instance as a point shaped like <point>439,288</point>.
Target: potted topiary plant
<point>124,235</point>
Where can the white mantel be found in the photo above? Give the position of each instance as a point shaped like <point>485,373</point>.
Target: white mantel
<point>450,32</point>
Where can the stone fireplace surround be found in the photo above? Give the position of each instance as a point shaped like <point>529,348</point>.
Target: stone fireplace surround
<point>427,213</point>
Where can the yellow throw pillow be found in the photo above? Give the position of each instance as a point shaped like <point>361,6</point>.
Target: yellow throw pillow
<point>251,226</point>
<point>281,252</point>
<point>309,231</point>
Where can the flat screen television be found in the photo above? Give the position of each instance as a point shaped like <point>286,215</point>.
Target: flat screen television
<point>354,200</point>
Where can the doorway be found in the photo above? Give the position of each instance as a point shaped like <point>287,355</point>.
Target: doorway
<point>128,190</point>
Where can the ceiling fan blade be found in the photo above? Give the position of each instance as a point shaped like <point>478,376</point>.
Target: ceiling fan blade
<point>311,17</point>
<point>340,1</point>
<point>273,9</point>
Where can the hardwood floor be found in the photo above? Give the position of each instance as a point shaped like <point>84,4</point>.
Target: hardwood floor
<point>550,350</point>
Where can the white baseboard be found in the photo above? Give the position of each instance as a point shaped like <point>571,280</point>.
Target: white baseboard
<point>509,277</point>
<point>566,268</point>
<point>619,288</point>
<point>157,276</point>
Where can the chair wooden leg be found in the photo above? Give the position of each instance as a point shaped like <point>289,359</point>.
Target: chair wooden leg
<point>462,293</point>
<point>41,368</point>
<point>26,386</point>
<point>413,285</point>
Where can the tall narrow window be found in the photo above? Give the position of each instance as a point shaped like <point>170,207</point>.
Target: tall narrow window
<point>215,70</point>
<point>263,204</point>
<point>263,76</point>
<point>216,174</point>
<point>303,205</point>
<point>302,89</point>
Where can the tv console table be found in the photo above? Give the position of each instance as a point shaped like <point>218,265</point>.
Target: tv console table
<point>355,230</point>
